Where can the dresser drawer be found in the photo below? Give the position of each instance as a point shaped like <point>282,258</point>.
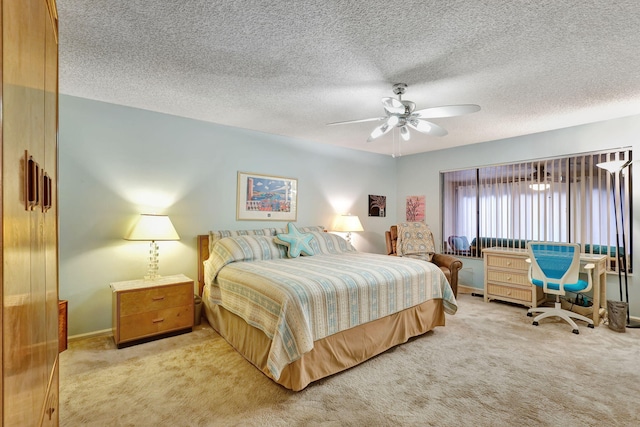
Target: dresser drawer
<point>512,293</point>
<point>148,300</point>
<point>507,262</point>
<point>508,277</point>
<point>155,322</point>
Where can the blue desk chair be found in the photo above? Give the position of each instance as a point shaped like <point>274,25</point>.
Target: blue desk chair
<point>555,267</point>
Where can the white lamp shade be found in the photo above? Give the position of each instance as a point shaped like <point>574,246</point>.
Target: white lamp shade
<point>152,227</point>
<point>614,166</point>
<point>348,223</point>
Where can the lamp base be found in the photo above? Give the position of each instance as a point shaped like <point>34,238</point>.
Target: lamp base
<point>632,324</point>
<point>152,272</point>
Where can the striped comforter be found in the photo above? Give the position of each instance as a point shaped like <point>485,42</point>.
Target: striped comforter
<point>300,300</point>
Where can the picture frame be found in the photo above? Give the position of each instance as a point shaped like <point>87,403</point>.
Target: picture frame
<point>415,208</point>
<point>377,205</point>
<point>266,198</point>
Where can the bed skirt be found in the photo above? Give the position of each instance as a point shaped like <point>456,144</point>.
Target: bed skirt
<point>331,354</point>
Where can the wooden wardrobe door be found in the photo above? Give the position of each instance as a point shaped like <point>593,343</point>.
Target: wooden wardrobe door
<point>28,365</point>
<point>49,210</point>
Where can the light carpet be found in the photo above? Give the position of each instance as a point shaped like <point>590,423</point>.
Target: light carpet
<point>488,367</point>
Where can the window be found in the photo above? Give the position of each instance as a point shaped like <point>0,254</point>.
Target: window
<point>566,199</point>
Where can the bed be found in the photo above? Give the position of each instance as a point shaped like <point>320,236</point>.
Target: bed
<point>302,318</point>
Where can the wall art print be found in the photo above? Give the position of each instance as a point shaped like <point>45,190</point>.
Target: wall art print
<point>266,197</point>
<point>377,205</point>
<point>415,208</point>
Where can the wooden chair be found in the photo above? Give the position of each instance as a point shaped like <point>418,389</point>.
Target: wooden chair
<point>449,264</point>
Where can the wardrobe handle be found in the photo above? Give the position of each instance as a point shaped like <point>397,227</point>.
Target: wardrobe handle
<point>46,192</point>
<point>31,182</point>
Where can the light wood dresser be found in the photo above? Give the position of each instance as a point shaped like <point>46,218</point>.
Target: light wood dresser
<point>505,277</point>
<point>146,309</point>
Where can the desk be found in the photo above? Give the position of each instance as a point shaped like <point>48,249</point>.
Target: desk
<point>506,279</point>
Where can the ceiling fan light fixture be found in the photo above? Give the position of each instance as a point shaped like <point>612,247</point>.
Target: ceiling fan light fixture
<point>379,131</point>
<point>404,133</point>
<point>393,106</point>
<point>539,186</point>
<point>401,113</point>
<point>419,125</point>
<point>393,120</point>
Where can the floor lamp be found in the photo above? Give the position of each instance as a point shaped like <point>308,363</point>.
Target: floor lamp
<point>615,167</point>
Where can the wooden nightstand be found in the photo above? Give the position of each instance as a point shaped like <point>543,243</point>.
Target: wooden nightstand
<point>146,309</point>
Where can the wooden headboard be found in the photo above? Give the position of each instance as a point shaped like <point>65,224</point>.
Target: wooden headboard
<point>203,255</point>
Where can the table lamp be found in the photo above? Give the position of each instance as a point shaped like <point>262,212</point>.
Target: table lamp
<point>348,223</point>
<point>152,228</point>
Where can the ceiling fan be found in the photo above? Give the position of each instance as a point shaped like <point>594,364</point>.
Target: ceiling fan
<point>402,114</point>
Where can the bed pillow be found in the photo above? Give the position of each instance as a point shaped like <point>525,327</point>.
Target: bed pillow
<point>241,249</point>
<point>214,236</point>
<point>297,243</point>
<point>329,243</point>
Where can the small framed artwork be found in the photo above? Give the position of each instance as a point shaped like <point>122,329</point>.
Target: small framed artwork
<point>266,197</point>
<point>377,205</point>
<point>415,208</point>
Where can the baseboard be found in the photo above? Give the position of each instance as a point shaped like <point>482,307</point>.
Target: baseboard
<point>104,332</point>
<point>462,289</point>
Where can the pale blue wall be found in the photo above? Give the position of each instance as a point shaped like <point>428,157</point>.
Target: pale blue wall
<point>419,175</point>
<point>117,162</point>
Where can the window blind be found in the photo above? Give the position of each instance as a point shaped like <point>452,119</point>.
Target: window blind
<point>568,199</point>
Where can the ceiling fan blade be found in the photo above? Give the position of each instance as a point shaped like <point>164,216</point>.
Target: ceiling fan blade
<point>426,127</point>
<point>393,106</point>
<point>379,131</point>
<point>374,119</point>
<point>447,111</point>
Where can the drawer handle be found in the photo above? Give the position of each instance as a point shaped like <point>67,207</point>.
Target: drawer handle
<point>158,320</point>
<point>508,278</point>
<point>157,298</point>
<point>508,262</point>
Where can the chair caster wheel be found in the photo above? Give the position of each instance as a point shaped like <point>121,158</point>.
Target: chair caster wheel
<point>529,314</point>
<point>535,323</point>
<point>590,325</point>
<point>575,331</point>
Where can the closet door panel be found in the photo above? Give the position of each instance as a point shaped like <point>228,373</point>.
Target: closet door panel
<point>25,372</point>
<point>49,190</point>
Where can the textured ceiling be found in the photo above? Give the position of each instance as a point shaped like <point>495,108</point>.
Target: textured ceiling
<point>291,67</point>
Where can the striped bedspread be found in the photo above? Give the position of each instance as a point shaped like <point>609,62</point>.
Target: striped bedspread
<point>300,300</point>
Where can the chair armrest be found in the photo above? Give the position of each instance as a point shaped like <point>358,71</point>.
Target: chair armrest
<point>451,263</point>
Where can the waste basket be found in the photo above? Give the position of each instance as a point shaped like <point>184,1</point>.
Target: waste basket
<point>197,312</point>
<point>617,315</point>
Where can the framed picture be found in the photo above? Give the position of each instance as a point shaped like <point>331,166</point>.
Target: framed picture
<point>266,197</point>
<point>415,208</point>
<point>377,205</point>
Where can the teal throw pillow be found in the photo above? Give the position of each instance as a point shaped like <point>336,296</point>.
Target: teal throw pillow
<point>296,242</point>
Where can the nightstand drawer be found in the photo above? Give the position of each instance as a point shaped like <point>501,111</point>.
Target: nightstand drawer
<point>155,322</point>
<point>145,300</point>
